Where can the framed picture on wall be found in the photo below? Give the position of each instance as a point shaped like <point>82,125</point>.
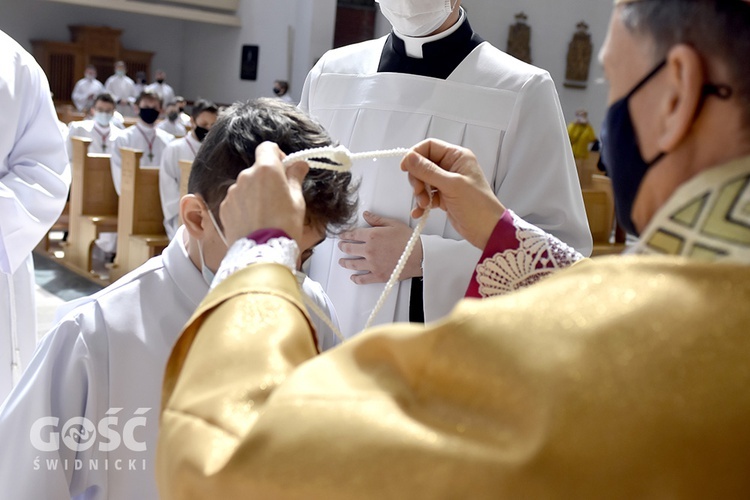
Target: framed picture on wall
<point>249,62</point>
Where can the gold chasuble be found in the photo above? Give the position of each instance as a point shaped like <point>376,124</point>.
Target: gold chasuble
<point>621,377</point>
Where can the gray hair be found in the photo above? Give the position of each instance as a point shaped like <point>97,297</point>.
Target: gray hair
<point>717,29</point>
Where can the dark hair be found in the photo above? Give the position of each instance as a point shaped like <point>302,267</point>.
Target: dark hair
<point>283,84</point>
<point>105,97</point>
<point>230,146</point>
<point>202,105</point>
<point>91,66</point>
<point>148,94</point>
<point>717,29</point>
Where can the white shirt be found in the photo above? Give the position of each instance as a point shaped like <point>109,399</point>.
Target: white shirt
<point>184,148</point>
<point>506,111</point>
<point>165,91</point>
<point>34,181</point>
<point>101,137</point>
<point>150,140</point>
<point>175,128</point>
<point>121,87</point>
<point>85,91</point>
<point>109,351</point>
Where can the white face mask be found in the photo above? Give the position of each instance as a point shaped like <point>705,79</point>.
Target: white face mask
<point>416,17</point>
<point>102,118</point>
<point>208,274</point>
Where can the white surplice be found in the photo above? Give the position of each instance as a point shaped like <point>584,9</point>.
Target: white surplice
<point>101,137</point>
<point>151,140</point>
<point>504,110</point>
<point>34,181</point>
<point>184,148</point>
<point>85,91</point>
<point>122,88</point>
<point>107,353</point>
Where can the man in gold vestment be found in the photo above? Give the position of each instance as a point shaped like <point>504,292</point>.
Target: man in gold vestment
<point>623,377</point>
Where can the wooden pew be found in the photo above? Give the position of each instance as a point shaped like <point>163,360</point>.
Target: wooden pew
<point>140,228</point>
<point>93,204</point>
<point>600,211</point>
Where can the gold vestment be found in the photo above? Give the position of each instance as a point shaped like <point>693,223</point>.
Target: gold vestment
<point>621,377</point>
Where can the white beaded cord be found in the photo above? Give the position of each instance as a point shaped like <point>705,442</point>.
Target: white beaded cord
<point>340,159</point>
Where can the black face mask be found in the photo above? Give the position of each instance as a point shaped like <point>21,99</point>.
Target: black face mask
<point>160,80</point>
<point>621,153</point>
<point>173,116</point>
<point>276,90</point>
<point>201,133</point>
<point>148,115</point>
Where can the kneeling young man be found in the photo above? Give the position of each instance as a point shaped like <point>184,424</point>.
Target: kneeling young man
<point>83,420</point>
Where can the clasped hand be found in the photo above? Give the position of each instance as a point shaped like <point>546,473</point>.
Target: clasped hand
<point>373,252</point>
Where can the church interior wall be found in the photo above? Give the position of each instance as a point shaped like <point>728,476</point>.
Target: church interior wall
<point>27,20</point>
<point>203,60</point>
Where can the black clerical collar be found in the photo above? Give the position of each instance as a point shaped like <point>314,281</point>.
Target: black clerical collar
<point>440,57</point>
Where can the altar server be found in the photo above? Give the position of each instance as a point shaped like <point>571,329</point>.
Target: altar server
<point>433,76</point>
<point>99,128</point>
<point>86,89</point>
<point>34,181</point>
<point>144,136</point>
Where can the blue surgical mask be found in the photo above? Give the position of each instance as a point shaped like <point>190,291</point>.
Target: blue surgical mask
<point>621,153</point>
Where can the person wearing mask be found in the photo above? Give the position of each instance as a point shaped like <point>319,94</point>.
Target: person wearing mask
<point>205,114</point>
<point>122,88</point>
<point>165,91</point>
<point>107,355</point>
<point>624,374</point>
<point>402,88</point>
<point>86,89</point>
<point>144,136</point>
<point>281,90</point>
<point>34,182</point>
<point>98,128</point>
<point>172,123</point>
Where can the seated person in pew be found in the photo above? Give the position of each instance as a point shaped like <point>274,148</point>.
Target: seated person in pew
<point>144,135</point>
<point>621,374</point>
<point>103,363</point>
<point>98,127</point>
<point>172,123</point>
<point>184,148</point>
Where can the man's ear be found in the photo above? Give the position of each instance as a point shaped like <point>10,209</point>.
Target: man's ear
<point>685,79</point>
<point>192,211</point>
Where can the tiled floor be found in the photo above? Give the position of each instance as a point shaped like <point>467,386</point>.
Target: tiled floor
<point>56,285</point>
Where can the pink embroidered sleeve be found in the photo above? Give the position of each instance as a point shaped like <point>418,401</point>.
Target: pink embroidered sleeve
<point>518,254</point>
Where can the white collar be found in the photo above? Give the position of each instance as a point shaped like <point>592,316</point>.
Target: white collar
<point>413,45</point>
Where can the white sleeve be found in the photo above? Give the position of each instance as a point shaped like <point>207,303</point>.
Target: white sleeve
<point>169,187</point>
<point>34,169</point>
<point>541,182</point>
<point>58,385</point>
